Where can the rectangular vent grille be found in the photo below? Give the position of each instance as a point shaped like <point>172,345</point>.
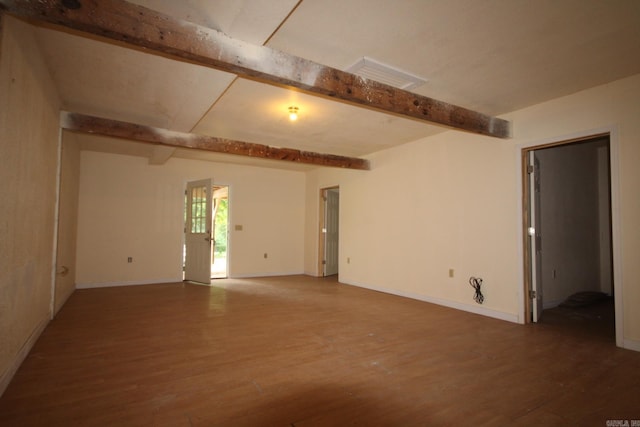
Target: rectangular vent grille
<point>383,73</point>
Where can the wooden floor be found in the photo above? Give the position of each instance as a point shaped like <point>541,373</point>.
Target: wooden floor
<point>301,351</point>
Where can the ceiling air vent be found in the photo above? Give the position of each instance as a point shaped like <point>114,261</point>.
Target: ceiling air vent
<point>383,73</point>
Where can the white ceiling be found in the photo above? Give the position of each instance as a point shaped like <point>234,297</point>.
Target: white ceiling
<point>493,56</point>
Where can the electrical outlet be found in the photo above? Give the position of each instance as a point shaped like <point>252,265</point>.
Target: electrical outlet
<point>130,260</point>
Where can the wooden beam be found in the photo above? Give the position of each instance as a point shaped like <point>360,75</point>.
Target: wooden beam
<point>98,126</point>
<point>165,35</point>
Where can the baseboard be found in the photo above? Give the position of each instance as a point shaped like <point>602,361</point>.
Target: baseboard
<point>313,274</point>
<point>7,375</point>
<point>128,283</point>
<point>631,345</point>
<point>175,280</point>
<point>256,275</point>
<point>443,302</point>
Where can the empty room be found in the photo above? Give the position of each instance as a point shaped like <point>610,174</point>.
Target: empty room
<point>319,212</point>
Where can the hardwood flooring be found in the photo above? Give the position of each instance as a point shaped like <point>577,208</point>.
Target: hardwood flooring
<point>301,351</point>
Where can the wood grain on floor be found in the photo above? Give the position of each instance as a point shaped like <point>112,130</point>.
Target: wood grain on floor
<point>304,351</point>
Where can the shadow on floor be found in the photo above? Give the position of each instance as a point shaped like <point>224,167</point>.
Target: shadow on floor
<point>597,319</point>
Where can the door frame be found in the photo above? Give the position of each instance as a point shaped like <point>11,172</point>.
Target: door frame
<point>321,225</point>
<point>533,222</point>
<point>614,172</point>
<point>216,184</point>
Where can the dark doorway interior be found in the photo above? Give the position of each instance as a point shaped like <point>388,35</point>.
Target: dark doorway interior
<point>576,272</point>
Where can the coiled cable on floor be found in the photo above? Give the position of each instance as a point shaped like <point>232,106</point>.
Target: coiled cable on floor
<point>476,283</point>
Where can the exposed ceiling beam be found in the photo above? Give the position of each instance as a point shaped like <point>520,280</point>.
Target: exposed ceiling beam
<point>165,35</point>
<point>98,126</point>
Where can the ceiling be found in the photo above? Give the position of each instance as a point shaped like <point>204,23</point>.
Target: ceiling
<point>492,56</point>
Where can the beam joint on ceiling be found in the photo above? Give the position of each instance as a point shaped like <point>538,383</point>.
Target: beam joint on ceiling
<point>92,125</point>
<point>164,35</point>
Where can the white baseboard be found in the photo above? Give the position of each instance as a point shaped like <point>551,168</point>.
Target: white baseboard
<point>444,302</point>
<point>7,375</point>
<point>256,275</point>
<point>313,274</point>
<point>631,345</point>
<point>128,283</point>
<point>175,280</point>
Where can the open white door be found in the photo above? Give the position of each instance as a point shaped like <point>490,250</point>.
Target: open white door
<point>198,237</point>
<point>331,225</point>
<point>534,237</point>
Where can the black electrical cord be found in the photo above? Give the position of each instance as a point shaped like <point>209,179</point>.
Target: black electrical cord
<point>476,283</point>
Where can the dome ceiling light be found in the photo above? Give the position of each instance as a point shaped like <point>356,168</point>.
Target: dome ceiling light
<point>293,113</point>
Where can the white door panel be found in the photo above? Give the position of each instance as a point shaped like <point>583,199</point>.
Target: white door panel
<point>198,232</point>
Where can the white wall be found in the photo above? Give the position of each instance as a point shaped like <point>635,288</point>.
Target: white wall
<point>454,201</point>
<point>423,209</point>
<point>128,208</point>
<point>28,166</point>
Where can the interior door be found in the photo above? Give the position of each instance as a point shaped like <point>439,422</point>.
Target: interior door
<point>331,224</point>
<point>535,238</point>
<point>198,232</point>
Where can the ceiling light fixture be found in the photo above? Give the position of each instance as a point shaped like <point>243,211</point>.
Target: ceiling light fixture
<point>293,113</point>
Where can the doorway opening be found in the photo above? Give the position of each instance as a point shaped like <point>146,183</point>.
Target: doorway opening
<point>328,253</point>
<point>569,280</point>
<point>220,227</point>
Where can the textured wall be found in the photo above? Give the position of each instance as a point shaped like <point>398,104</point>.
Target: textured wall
<point>28,154</point>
